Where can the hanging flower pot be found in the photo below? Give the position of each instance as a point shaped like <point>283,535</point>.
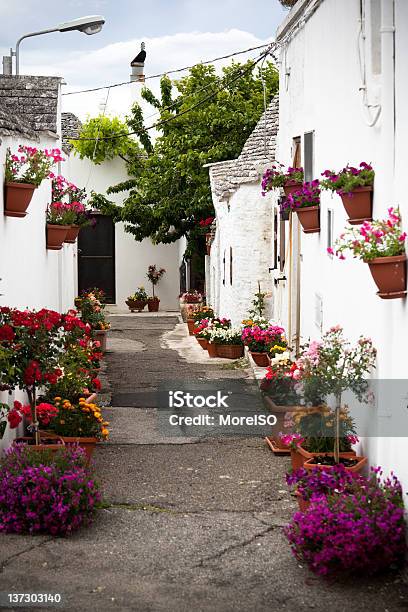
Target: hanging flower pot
<point>390,276</point>
<point>309,218</point>
<point>153,304</point>
<point>291,186</point>
<point>358,205</point>
<point>261,359</point>
<point>56,235</point>
<point>72,234</point>
<point>17,198</point>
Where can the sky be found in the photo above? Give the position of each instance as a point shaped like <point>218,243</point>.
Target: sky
<point>177,33</point>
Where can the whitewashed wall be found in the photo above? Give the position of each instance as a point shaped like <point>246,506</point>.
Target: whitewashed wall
<point>31,276</point>
<point>132,257</point>
<point>319,90</point>
<point>243,224</point>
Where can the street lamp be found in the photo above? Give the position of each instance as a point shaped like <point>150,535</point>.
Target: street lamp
<point>91,24</point>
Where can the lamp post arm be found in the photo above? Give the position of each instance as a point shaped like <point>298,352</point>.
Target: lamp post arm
<point>29,35</point>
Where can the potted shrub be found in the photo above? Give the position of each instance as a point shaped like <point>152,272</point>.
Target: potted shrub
<point>355,187</point>
<point>354,524</point>
<point>31,344</point>
<point>51,493</point>
<point>189,301</point>
<point>24,172</point>
<point>80,423</point>
<point>275,177</point>
<point>380,244</point>
<point>154,274</point>
<point>264,342</point>
<point>305,202</point>
<point>337,366</point>
<point>138,300</point>
<point>228,342</point>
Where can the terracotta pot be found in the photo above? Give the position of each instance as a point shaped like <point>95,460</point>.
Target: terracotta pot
<point>191,326</point>
<point>230,351</point>
<point>203,343</point>
<point>17,197</point>
<point>212,349</point>
<point>136,305</point>
<point>88,444</point>
<point>186,308</point>
<point>299,456</point>
<point>358,205</point>
<point>48,442</point>
<point>277,446</point>
<point>153,305</point>
<point>303,504</point>
<point>56,235</point>
<point>100,335</point>
<point>309,217</point>
<point>261,359</point>
<point>361,461</point>
<point>72,234</point>
<point>390,276</point>
<point>291,187</point>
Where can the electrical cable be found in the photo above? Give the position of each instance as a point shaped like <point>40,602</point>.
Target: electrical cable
<point>177,70</point>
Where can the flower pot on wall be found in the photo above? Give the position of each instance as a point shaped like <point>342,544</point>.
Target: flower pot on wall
<point>72,234</point>
<point>390,276</point>
<point>230,351</point>
<point>261,359</point>
<point>309,217</point>
<point>56,235</point>
<point>291,187</point>
<point>17,197</point>
<point>153,304</point>
<point>358,205</point>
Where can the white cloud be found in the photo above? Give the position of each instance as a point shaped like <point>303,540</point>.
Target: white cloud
<point>111,64</point>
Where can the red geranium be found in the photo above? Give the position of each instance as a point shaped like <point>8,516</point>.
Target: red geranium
<point>6,333</point>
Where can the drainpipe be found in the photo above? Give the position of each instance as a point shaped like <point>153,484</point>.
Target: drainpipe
<point>388,97</point>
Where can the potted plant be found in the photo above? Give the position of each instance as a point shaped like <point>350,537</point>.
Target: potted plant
<point>80,423</point>
<point>32,343</point>
<point>154,274</point>
<point>228,342</point>
<point>380,244</point>
<point>354,524</point>
<point>24,172</point>
<point>355,187</point>
<point>51,493</point>
<point>264,342</point>
<point>195,315</point>
<point>190,300</point>
<point>275,177</point>
<point>138,300</point>
<point>58,224</point>
<point>73,197</point>
<point>338,367</point>
<point>306,203</point>
<point>201,332</point>
<point>92,313</point>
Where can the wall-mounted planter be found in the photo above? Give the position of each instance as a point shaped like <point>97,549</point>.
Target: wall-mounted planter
<point>17,197</point>
<point>56,235</point>
<point>390,276</point>
<point>358,205</point>
<point>72,234</point>
<point>309,217</point>
<point>291,187</point>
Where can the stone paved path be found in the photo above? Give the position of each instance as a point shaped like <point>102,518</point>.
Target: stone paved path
<point>187,525</point>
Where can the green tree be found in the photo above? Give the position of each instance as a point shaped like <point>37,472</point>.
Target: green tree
<point>203,118</point>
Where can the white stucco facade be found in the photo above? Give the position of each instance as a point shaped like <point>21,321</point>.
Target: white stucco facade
<point>320,92</point>
<point>132,258</point>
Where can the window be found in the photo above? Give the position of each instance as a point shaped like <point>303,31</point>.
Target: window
<point>330,220</point>
<point>308,152</point>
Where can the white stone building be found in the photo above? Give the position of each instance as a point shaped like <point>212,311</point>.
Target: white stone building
<point>242,253</point>
<point>108,256</point>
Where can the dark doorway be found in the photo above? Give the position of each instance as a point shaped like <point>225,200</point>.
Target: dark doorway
<point>96,257</point>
